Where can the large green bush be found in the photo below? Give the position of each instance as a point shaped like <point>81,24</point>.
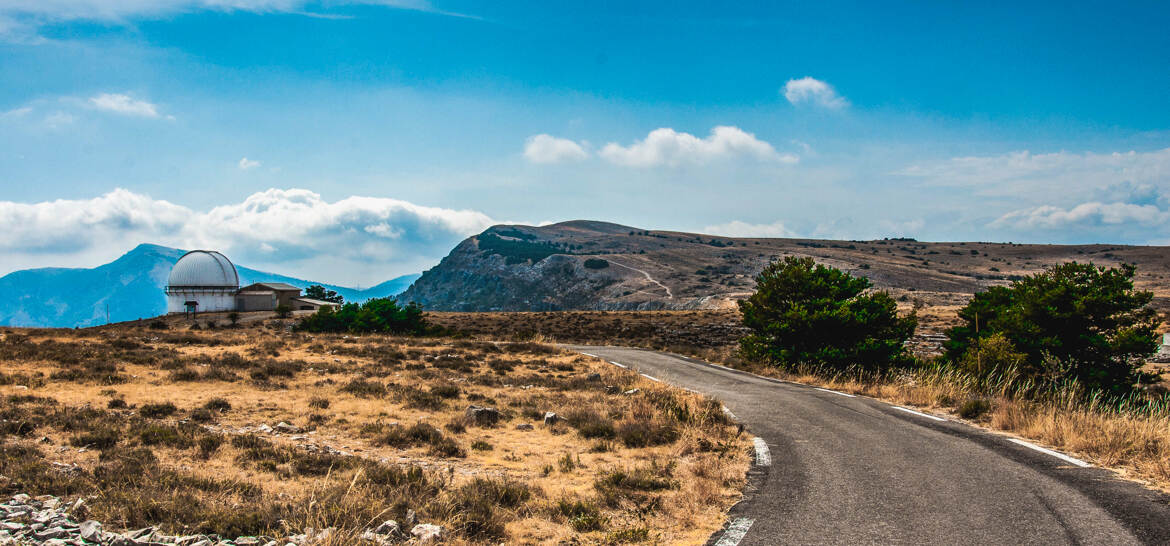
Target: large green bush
<point>1071,322</point>
<point>806,313</point>
<point>379,315</point>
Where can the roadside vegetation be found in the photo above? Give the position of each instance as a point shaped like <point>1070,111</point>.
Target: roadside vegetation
<point>255,429</point>
<point>1056,356</point>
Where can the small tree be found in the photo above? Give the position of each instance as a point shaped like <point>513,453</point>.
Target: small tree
<point>806,313</point>
<point>283,310</point>
<point>234,318</point>
<point>319,292</point>
<point>1072,321</point>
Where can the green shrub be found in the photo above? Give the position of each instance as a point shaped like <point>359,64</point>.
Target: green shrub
<point>218,404</point>
<point>157,411</point>
<point>596,263</point>
<point>365,389</point>
<point>481,445</point>
<point>645,434</point>
<point>319,402</point>
<point>477,501</point>
<point>974,408</point>
<point>806,313</point>
<point>209,444</point>
<point>102,438</point>
<point>378,315</point>
<point>994,353</point>
<point>1071,322</point>
<point>590,424</point>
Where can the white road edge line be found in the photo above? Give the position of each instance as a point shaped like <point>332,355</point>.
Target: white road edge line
<point>590,354</point>
<point>763,456</point>
<point>735,532</point>
<point>919,413</point>
<point>729,415</point>
<point>618,364</point>
<point>1058,455</point>
<point>836,392</point>
<point>650,377</point>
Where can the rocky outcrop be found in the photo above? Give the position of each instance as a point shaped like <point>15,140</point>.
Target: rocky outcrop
<point>48,521</point>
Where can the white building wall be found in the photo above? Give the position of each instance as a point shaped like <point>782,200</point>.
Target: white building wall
<point>210,301</point>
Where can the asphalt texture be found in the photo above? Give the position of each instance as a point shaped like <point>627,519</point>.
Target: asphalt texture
<point>858,471</point>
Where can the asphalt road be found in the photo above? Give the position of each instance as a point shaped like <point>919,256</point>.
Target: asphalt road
<point>853,470</point>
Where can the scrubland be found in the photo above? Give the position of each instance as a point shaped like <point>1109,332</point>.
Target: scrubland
<point>257,430</point>
<point>1131,436</point>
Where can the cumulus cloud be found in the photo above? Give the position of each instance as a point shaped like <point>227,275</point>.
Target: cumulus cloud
<point>668,147</point>
<point>124,105</point>
<point>737,228</point>
<point>353,240</point>
<point>812,91</point>
<point>1084,215</point>
<point>545,148</point>
<point>246,164</point>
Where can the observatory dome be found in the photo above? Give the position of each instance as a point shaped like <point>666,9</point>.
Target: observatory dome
<point>203,269</point>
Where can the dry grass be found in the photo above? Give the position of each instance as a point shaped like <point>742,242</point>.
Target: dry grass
<point>1131,437</point>
<point>151,425</point>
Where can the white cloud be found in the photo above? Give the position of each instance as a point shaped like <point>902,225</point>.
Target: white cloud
<point>1075,175</point>
<point>58,119</point>
<point>246,164</point>
<point>737,228</point>
<point>20,18</point>
<point>545,148</point>
<point>813,91</point>
<point>1084,215</point>
<point>353,240</point>
<point>124,105</point>
<point>666,146</point>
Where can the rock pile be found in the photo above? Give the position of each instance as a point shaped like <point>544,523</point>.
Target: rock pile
<point>46,521</point>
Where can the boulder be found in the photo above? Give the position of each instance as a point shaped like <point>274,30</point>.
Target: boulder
<point>525,426</point>
<point>388,527</point>
<point>482,416</point>
<point>593,377</point>
<point>551,418</point>
<point>427,533</point>
<point>92,531</point>
<point>286,428</point>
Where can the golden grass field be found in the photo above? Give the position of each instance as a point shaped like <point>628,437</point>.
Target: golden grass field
<point>158,427</point>
<point>1132,440</point>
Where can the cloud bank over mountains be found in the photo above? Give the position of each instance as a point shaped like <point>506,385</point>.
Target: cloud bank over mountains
<point>354,240</point>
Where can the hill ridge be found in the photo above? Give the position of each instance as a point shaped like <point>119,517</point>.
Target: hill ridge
<point>518,267</point>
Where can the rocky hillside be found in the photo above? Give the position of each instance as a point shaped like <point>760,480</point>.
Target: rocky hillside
<point>589,265</point>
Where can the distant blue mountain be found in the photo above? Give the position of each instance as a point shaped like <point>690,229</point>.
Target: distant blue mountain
<point>132,287</point>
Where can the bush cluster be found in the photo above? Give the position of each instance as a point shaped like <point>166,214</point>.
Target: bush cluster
<point>379,315</point>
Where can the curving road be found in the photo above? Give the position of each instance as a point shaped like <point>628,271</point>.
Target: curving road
<point>853,470</point>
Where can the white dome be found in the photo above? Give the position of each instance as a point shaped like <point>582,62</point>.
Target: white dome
<point>203,269</point>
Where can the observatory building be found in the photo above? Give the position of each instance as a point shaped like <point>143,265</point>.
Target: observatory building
<point>202,281</point>
<point>205,281</point>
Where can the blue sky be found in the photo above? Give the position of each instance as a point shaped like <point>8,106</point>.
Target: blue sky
<point>284,130</point>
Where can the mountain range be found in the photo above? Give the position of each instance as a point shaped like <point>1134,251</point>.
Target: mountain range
<point>590,265</point>
<point>587,265</point>
<point>130,287</point>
